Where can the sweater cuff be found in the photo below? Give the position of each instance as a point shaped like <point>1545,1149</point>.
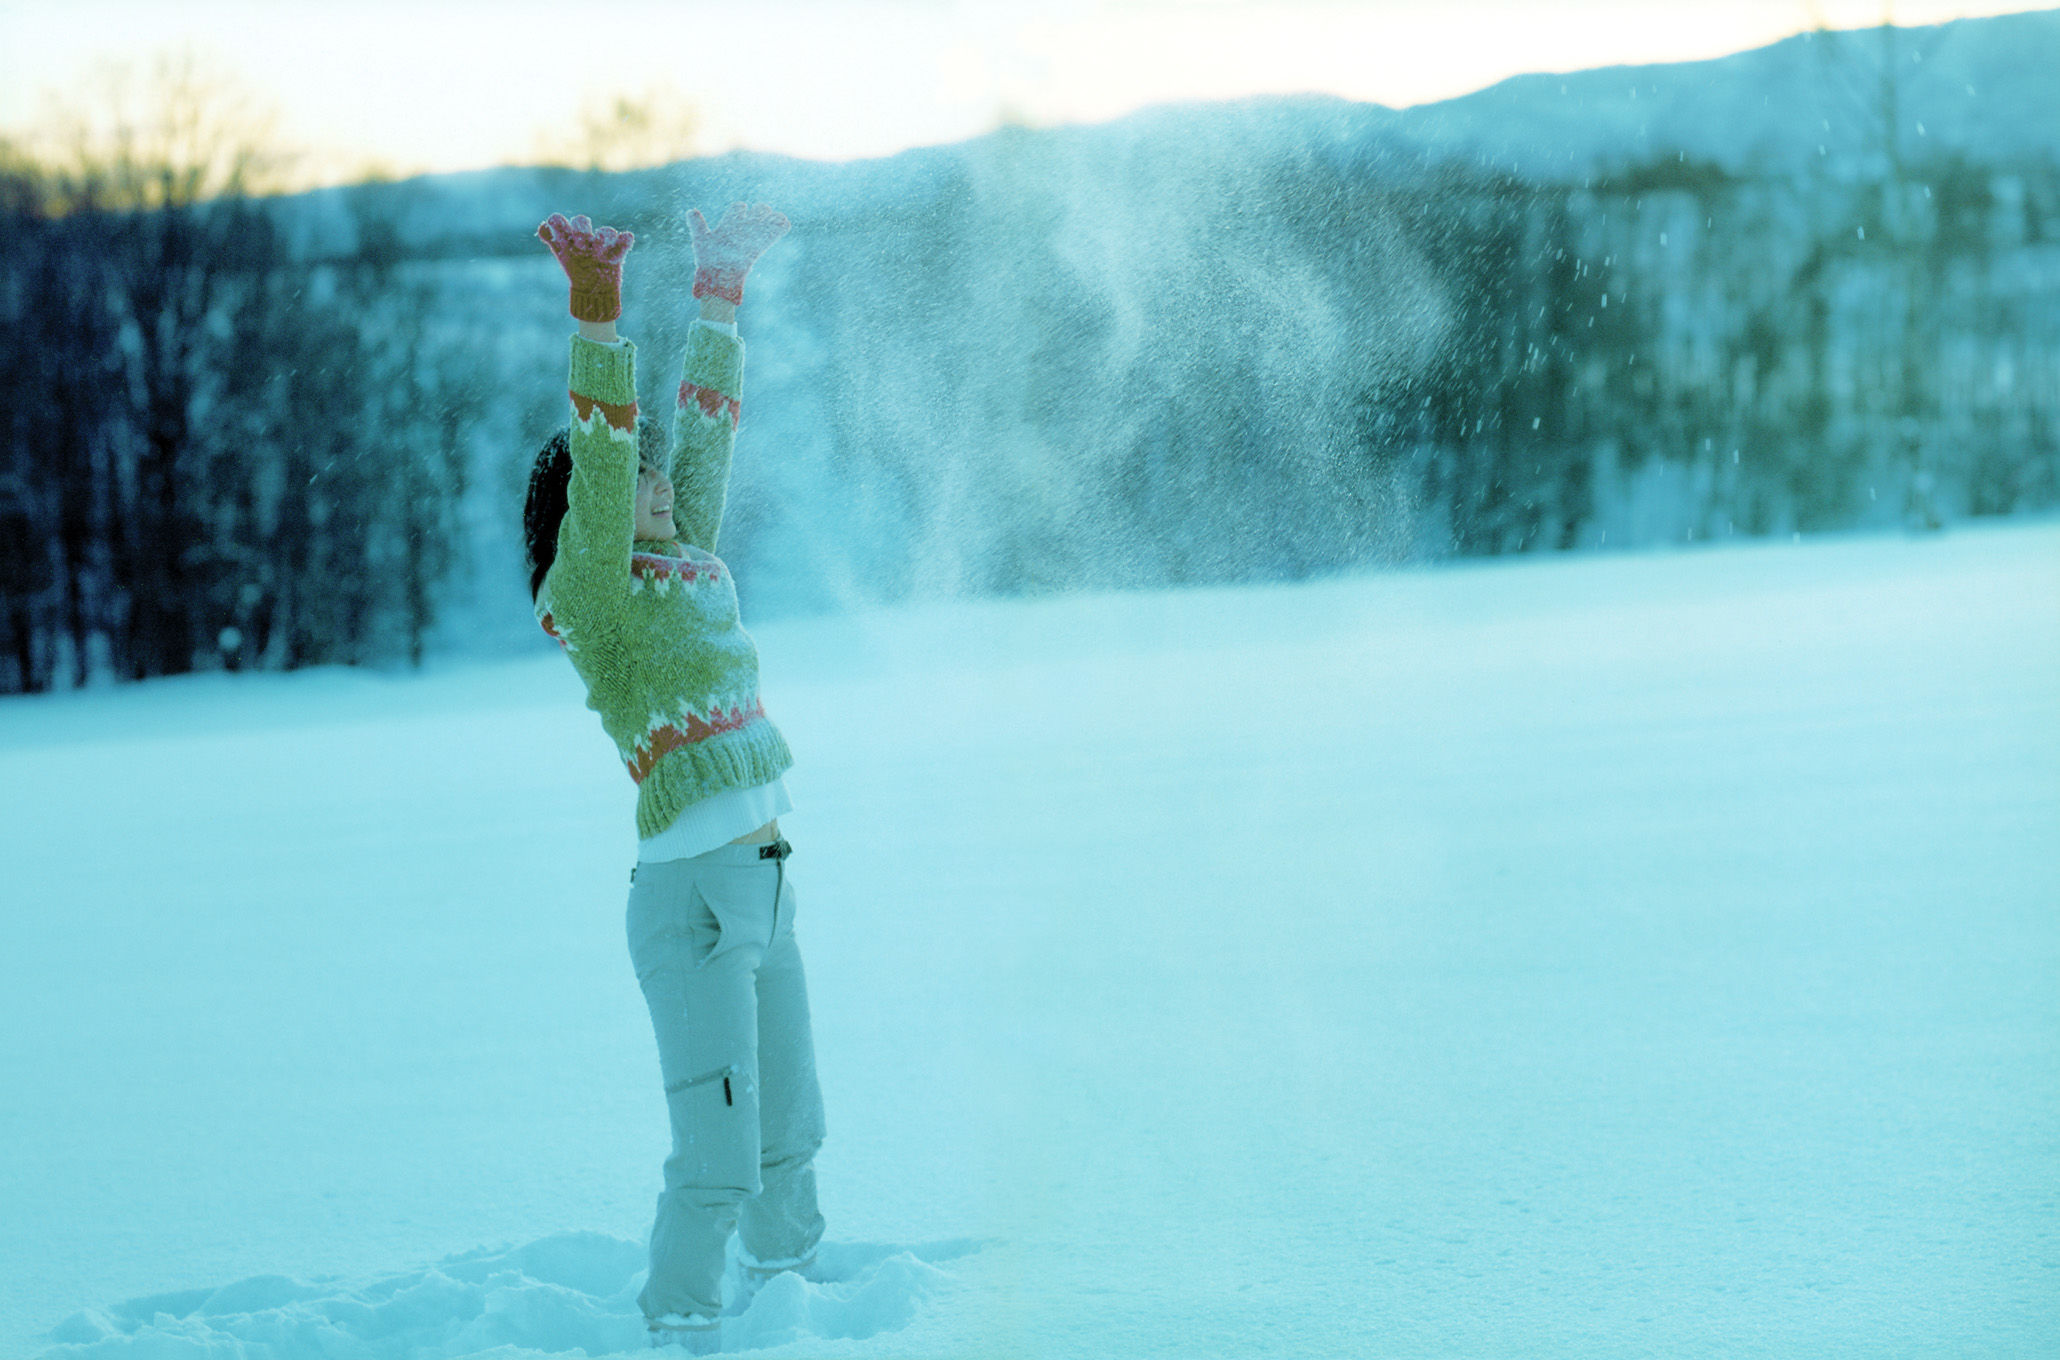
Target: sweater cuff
<point>607,373</point>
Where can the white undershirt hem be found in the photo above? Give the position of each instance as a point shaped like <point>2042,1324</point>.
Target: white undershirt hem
<point>714,822</point>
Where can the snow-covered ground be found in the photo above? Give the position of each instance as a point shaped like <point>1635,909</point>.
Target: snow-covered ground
<point>1600,956</point>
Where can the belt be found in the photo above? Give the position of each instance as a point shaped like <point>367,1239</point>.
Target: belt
<point>779,849</point>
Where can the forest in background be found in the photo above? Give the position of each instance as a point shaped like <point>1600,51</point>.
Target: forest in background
<point>1197,346</point>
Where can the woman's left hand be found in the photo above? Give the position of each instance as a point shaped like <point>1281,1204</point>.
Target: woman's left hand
<point>725,252</point>
<point>592,260</point>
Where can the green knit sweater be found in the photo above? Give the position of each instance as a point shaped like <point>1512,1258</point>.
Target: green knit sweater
<point>652,627</point>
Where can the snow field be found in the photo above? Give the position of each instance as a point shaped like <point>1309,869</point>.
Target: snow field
<point>1602,956</point>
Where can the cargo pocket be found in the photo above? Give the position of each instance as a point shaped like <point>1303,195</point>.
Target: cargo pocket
<point>714,1132</point>
<point>728,1076</point>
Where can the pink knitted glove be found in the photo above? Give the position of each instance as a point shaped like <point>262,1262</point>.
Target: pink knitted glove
<point>592,260</point>
<point>724,253</point>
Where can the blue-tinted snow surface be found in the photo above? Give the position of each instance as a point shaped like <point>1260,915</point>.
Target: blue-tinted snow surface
<point>1613,956</point>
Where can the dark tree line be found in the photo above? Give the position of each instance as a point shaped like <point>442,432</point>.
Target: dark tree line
<point>216,456</point>
<point>1766,354</point>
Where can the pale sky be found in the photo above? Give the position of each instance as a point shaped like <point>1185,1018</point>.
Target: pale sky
<point>457,84</point>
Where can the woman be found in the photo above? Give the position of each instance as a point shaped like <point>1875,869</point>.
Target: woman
<point>622,534</point>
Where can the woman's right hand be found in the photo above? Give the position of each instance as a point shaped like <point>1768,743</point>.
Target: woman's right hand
<point>725,252</point>
<point>592,260</point>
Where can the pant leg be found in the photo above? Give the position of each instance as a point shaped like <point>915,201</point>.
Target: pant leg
<point>782,1223</point>
<point>697,971</point>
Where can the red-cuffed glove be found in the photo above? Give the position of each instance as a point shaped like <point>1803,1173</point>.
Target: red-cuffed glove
<point>592,260</point>
<point>724,253</point>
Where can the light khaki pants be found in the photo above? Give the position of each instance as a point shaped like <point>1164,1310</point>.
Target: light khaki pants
<point>712,939</point>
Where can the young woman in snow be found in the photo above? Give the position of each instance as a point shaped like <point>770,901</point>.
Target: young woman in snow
<point>621,531</point>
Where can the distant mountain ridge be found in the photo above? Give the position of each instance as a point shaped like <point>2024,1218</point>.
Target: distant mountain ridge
<point>1988,89</point>
<point>1984,89</point>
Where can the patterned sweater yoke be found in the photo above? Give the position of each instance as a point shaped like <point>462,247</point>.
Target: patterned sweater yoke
<point>653,628</point>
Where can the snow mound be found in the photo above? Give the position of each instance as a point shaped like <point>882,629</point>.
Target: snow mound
<point>572,1292</point>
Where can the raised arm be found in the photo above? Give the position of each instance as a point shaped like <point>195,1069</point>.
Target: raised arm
<point>590,574</point>
<point>704,423</point>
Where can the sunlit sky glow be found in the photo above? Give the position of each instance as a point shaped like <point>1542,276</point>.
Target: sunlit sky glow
<point>456,84</point>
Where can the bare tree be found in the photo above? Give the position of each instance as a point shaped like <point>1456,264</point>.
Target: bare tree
<point>161,162</point>
<point>173,133</point>
<point>1868,73</point>
<point>627,132</point>
<point>196,468</point>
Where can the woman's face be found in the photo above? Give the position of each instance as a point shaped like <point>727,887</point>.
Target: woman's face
<point>654,506</point>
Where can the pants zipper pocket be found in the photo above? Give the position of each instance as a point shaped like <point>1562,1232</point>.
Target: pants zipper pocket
<point>725,1073</point>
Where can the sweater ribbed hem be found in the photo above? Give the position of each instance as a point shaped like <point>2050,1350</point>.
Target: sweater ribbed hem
<point>743,759</point>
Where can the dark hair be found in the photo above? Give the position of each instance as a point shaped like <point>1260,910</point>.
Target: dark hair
<point>543,509</point>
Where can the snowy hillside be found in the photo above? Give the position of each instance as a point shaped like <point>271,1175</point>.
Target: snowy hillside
<point>1981,88</point>
<point>1586,956</point>
<point>1812,104</point>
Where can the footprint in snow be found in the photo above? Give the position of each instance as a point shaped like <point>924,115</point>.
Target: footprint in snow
<point>567,1293</point>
